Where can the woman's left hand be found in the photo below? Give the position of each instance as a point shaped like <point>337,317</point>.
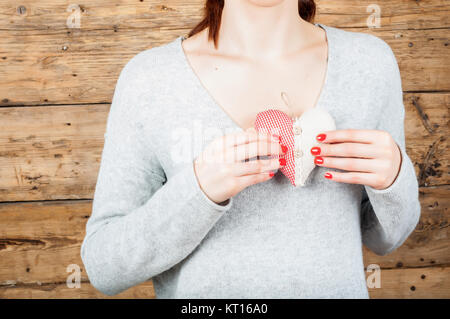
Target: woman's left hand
<point>371,157</point>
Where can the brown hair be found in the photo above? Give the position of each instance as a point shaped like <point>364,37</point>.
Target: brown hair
<point>213,14</point>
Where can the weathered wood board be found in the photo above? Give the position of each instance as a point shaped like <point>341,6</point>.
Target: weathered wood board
<point>431,282</point>
<point>54,152</point>
<point>179,14</point>
<point>80,65</point>
<point>62,291</point>
<point>39,240</point>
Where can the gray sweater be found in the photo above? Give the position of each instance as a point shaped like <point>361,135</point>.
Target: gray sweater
<point>151,220</point>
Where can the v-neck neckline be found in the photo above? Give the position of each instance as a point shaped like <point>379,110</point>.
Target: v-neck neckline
<point>199,86</point>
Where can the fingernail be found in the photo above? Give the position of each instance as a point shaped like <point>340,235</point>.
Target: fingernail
<point>271,174</point>
<point>282,161</point>
<point>284,148</point>
<point>328,175</point>
<point>318,160</point>
<point>315,150</point>
<point>321,137</point>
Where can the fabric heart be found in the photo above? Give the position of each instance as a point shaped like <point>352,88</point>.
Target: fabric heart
<point>299,135</point>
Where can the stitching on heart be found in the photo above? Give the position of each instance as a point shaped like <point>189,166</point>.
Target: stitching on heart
<point>297,169</point>
<point>300,174</point>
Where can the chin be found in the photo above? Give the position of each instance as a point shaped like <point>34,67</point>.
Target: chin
<point>265,3</point>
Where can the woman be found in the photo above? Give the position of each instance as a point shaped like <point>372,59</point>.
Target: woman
<point>227,227</point>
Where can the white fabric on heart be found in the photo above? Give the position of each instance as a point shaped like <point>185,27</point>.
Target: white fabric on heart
<point>312,122</point>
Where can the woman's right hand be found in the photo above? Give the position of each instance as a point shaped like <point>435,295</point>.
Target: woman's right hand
<point>222,169</point>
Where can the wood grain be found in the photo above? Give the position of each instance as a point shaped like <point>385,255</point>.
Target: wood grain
<point>61,291</point>
<point>101,14</point>
<point>68,67</point>
<point>38,240</point>
<point>82,66</point>
<point>418,53</point>
<point>431,282</point>
<point>50,152</point>
<point>54,152</point>
<point>429,244</point>
<point>178,14</point>
<point>56,83</point>
<point>427,122</point>
<point>394,15</point>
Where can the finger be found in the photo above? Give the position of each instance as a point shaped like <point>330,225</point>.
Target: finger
<point>347,164</point>
<point>253,149</point>
<point>352,177</point>
<point>248,180</point>
<point>349,135</point>
<point>239,138</point>
<point>360,150</point>
<point>256,167</point>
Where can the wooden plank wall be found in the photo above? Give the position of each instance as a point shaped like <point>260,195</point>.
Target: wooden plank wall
<point>56,84</point>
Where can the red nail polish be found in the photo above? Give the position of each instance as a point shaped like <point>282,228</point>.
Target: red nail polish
<point>315,150</point>
<point>284,148</point>
<point>282,161</point>
<point>328,175</point>
<point>318,160</point>
<point>271,174</point>
<point>321,137</point>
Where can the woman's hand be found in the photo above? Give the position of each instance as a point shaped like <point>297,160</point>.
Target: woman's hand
<point>371,157</point>
<point>222,170</point>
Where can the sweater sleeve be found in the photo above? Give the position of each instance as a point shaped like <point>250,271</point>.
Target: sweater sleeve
<point>390,215</point>
<point>141,224</point>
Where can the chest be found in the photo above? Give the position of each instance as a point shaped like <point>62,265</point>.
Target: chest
<point>214,103</point>
<point>242,88</point>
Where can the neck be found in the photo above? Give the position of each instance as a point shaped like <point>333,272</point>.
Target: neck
<point>250,30</point>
